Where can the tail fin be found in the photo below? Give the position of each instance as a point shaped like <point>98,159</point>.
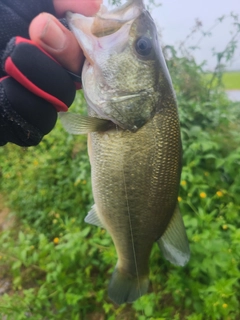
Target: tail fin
<point>126,288</point>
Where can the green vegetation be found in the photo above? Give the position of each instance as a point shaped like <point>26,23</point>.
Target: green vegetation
<point>59,266</point>
<point>231,80</point>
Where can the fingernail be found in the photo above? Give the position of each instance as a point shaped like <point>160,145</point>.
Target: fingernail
<point>53,36</point>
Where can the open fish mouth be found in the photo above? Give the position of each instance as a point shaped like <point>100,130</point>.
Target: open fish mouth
<point>95,32</point>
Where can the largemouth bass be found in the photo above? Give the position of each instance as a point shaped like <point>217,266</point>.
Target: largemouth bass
<point>134,142</point>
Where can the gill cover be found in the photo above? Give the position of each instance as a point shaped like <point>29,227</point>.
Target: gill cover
<point>121,74</point>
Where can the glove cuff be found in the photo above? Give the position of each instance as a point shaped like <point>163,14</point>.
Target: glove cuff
<point>13,127</point>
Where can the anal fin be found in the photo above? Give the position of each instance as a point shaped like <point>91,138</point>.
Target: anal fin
<point>93,218</point>
<point>174,242</point>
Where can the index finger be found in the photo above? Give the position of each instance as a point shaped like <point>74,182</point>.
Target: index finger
<point>85,7</point>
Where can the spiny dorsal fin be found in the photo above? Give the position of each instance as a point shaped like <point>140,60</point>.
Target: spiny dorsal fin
<point>79,124</point>
<point>174,242</point>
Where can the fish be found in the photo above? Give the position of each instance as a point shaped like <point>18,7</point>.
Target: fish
<point>134,142</point>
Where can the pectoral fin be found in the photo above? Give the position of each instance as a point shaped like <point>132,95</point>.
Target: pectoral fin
<point>93,218</point>
<point>79,124</point>
<point>174,242</point>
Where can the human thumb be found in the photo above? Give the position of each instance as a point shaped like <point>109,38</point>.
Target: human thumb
<point>46,31</point>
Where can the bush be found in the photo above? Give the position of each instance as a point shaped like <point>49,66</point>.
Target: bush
<point>60,266</point>
<point>54,179</point>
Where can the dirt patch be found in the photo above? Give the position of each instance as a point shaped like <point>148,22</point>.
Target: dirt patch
<point>6,220</point>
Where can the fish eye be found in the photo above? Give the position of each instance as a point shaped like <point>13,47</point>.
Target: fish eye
<point>143,46</point>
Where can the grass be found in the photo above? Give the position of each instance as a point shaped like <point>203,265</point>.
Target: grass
<point>231,80</point>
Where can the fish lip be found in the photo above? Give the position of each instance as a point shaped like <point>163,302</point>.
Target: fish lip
<point>80,26</point>
<point>115,18</point>
<point>124,97</point>
<point>91,40</point>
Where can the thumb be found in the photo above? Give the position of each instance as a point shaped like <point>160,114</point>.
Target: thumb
<point>87,8</point>
<point>46,31</point>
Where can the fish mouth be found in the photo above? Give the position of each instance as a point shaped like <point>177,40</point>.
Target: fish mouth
<point>94,33</point>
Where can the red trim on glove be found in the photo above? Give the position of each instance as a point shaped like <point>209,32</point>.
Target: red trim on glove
<point>5,77</point>
<point>12,70</point>
<point>24,40</point>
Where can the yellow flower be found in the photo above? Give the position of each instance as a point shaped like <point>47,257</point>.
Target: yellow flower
<point>219,193</point>
<point>203,195</point>
<point>179,199</point>
<point>35,162</point>
<point>224,305</point>
<point>183,183</point>
<point>56,240</point>
<point>225,227</point>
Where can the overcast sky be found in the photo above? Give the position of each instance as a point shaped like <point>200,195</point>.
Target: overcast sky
<point>176,18</point>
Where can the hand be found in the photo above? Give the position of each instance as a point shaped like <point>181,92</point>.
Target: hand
<point>46,31</point>
<point>26,114</point>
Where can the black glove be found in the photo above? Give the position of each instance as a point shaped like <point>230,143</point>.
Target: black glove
<point>33,86</point>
